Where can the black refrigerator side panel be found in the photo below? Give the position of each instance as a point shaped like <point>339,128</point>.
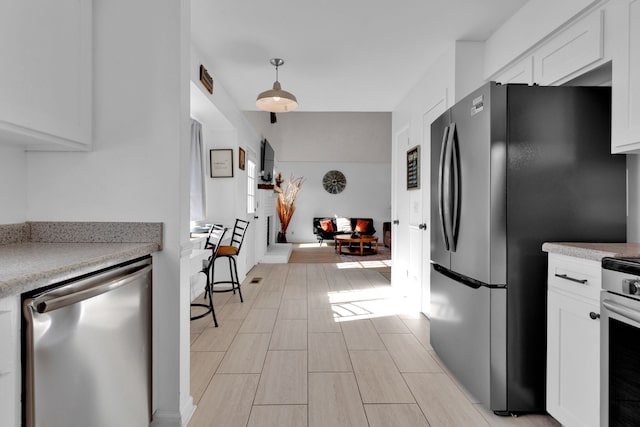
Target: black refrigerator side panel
<point>562,185</point>
<point>439,254</point>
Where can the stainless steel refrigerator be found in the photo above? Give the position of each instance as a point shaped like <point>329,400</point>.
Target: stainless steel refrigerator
<point>513,166</point>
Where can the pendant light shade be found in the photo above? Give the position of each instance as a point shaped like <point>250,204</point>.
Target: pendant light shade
<point>277,100</point>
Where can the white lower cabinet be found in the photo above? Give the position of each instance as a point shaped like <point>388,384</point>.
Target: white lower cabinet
<point>573,341</point>
<point>10,375</point>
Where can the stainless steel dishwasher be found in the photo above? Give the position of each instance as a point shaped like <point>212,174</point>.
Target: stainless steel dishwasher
<point>87,347</point>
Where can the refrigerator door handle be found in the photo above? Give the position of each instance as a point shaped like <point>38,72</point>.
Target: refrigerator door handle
<point>463,280</point>
<point>448,190</point>
<point>455,197</point>
<point>441,189</point>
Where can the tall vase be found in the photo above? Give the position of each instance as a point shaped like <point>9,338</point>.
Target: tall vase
<point>282,237</point>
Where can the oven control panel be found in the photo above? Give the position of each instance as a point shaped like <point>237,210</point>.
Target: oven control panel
<point>621,276</point>
<point>631,286</point>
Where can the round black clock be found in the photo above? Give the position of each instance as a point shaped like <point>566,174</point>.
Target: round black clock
<point>334,182</point>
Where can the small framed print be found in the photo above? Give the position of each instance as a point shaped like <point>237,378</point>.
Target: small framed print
<point>241,158</point>
<point>413,168</point>
<point>221,163</point>
<point>206,79</point>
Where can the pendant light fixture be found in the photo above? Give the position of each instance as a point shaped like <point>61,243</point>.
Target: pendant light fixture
<point>277,100</point>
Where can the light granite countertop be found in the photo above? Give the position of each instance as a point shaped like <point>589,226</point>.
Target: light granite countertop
<point>593,251</point>
<point>35,255</point>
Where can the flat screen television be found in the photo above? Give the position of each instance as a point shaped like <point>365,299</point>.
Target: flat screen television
<point>266,161</point>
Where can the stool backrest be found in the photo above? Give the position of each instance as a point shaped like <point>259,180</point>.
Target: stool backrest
<point>216,233</point>
<point>238,233</point>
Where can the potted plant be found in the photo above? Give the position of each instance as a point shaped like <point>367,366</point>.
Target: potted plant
<point>285,207</point>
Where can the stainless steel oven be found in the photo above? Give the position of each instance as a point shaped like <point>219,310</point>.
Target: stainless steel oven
<point>620,343</point>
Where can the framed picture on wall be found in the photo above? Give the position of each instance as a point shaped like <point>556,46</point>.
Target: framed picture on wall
<point>413,168</point>
<point>241,158</point>
<point>221,163</point>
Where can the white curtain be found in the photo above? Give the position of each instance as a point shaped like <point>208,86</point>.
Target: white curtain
<point>198,194</point>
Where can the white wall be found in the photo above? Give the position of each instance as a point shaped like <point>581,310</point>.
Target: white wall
<point>328,137</point>
<point>13,184</point>
<point>367,195</point>
<point>138,169</point>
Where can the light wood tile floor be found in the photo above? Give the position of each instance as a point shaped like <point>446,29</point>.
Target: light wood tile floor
<point>325,345</point>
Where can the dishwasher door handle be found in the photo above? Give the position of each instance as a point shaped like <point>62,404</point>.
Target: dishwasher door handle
<point>45,303</point>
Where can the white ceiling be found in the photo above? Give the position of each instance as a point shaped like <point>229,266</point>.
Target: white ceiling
<point>349,55</point>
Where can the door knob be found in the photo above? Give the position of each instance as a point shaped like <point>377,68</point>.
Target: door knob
<point>422,226</point>
<point>594,315</point>
<point>396,222</point>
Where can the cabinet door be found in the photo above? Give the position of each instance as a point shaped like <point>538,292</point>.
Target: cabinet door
<point>522,72</point>
<point>46,73</point>
<point>573,360</point>
<point>625,91</point>
<point>570,51</point>
<point>10,376</point>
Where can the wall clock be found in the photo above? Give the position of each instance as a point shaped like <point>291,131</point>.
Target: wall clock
<point>334,182</point>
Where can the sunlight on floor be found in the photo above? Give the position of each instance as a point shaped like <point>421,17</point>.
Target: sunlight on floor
<point>364,264</point>
<point>368,304</point>
<point>312,245</point>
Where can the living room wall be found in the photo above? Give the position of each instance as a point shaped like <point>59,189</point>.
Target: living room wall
<point>367,195</point>
<point>309,144</point>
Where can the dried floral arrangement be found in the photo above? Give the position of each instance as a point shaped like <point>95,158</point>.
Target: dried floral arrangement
<point>286,197</point>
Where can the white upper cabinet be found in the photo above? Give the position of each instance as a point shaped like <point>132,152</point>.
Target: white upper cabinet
<point>521,72</point>
<point>46,74</point>
<point>625,121</point>
<point>570,51</point>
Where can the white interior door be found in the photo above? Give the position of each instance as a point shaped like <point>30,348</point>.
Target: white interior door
<point>251,246</point>
<point>425,234</point>
<point>400,214</point>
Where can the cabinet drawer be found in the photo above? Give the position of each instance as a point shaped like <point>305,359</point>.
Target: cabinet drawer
<point>575,275</point>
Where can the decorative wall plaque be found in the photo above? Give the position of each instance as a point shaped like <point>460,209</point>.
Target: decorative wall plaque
<point>413,168</point>
<point>334,182</point>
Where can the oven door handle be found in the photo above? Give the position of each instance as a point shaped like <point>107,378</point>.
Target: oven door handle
<point>621,310</point>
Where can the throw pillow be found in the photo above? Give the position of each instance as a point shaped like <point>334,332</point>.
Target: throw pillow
<point>326,225</point>
<point>343,225</point>
<point>362,226</point>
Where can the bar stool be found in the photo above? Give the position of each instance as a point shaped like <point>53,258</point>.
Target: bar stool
<point>216,234</point>
<point>230,252</point>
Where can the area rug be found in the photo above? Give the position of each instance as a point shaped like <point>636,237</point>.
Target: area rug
<point>312,253</point>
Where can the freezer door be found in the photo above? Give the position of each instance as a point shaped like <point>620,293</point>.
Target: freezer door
<point>472,215</point>
<point>468,332</point>
<point>439,136</point>
<point>460,327</point>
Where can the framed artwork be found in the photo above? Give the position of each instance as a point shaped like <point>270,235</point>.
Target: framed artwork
<point>206,79</point>
<point>413,168</point>
<point>241,158</point>
<point>221,163</point>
